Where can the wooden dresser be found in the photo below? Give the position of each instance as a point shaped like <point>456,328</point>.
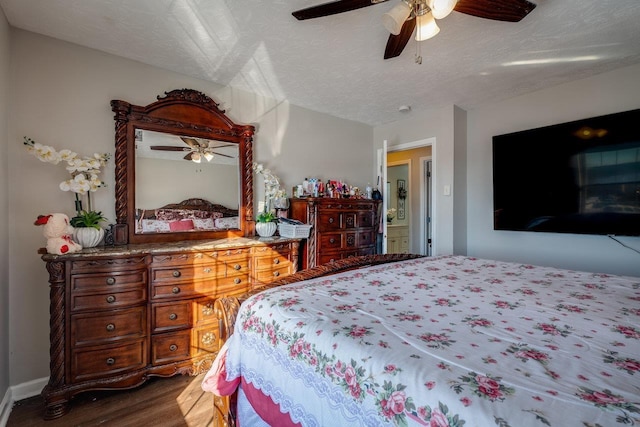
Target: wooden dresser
<point>342,228</point>
<point>122,314</point>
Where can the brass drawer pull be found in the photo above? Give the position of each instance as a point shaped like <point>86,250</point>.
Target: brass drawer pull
<point>207,270</point>
<point>176,273</point>
<point>111,327</point>
<point>175,290</point>
<point>237,267</point>
<point>173,316</point>
<point>276,273</point>
<point>332,240</point>
<point>330,220</point>
<point>111,281</point>
<point>173,347</point>
<point>111,299</point>
<point>237,280</point>
<point>276,261</point>
<point>111,361</point>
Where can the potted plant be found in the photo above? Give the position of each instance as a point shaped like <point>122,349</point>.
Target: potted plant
<point>86,228</point>
<point>265,225</point>
<point>84,181</point>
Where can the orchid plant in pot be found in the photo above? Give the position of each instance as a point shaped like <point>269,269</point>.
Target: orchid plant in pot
<point>266,221</point>
<point>84,181</point>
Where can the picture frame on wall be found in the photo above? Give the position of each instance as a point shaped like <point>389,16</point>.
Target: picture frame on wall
<point>402,194</point>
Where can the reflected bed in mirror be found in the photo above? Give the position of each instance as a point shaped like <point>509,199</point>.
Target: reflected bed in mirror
<point>183,170</point>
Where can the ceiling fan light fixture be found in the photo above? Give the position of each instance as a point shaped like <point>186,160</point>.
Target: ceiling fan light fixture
<point>395,18</point>
<point>208,156</point>
<point>442,8</point>
<point>195,157</point>
<point>426,27</point>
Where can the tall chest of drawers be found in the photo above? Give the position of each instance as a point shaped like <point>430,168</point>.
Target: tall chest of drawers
<point>120,315</point>
<point>341,228</point>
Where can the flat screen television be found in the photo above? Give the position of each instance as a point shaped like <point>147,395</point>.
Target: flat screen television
<point>579,177</point>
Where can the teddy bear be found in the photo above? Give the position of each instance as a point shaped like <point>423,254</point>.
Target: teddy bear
<point>58,231</point>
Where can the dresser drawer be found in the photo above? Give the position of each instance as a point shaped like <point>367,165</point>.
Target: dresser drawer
<point>366,238</point>
<point>329,221</point>
<point>268,276</point>
<point>102,327</point>
<point>366,219</point>
<point>326,257</point>
<point>109,300</point>
<point>107,282</point>
<point>102,361</point>
<point>216,287</point>
<point>273,260</point>
<point>330,241</point>
<point>170,316</point>
<point>187,273</point>
<point>180,259</point>
<point>170,347</point>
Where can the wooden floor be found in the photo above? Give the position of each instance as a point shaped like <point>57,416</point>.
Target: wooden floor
<point>176,401</point>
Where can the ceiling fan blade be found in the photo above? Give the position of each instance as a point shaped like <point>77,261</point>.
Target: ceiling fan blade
<point>190,142</point>
<point>212,145</point>
<point>333,8</point>
<point>223,155</point>
<point>169,148</point>
<point>396,44</point>
<point>499,10</point>
<point>188,156</point>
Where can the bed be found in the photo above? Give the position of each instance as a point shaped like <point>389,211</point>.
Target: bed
<point>440,341</point>
<point>188,215</point>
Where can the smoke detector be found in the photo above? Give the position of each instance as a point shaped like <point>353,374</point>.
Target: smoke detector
<point>404,108</point>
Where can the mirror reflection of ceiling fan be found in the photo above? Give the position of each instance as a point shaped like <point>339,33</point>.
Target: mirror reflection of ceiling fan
<point>196,149</point>
<point>420,15</point>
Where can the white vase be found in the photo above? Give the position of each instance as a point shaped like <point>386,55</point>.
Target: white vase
<point>266,229</point>
<point>88,237</point>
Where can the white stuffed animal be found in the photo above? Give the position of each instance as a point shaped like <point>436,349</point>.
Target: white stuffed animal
<point>58,231</point>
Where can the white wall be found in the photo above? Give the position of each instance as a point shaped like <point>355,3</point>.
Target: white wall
<point>4,224</point>
<point>60,95</point>
<point>602,94</point>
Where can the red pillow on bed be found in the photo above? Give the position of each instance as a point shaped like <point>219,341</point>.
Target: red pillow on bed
<point>182,225</point>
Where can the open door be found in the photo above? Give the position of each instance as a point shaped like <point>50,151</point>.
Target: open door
<point>382,187</point>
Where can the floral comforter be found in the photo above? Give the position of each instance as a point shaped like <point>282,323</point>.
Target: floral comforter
<point>447,341</point>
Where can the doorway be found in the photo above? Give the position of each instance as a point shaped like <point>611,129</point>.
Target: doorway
<point>420,203</point>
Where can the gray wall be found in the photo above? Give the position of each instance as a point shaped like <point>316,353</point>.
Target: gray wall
<point>60,95</point>
<point>602,94</point>
<point>439,124</point>
<point>4,224</point>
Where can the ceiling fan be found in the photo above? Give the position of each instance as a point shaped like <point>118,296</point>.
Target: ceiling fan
<point>402,20</point>
<point>196,149</point>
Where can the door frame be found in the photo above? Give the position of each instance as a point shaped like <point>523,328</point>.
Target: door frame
<point>382,170</point>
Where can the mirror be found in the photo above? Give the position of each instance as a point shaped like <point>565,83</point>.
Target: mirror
<point>183,170</point>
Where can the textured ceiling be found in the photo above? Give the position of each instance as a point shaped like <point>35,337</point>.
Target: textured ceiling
<point>334,64</point>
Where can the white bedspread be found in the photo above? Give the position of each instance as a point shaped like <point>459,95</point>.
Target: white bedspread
<point>447,341</point>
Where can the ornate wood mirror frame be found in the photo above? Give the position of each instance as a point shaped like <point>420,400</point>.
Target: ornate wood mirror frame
<point>183,112</point>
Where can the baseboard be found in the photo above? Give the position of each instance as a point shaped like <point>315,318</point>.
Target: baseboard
<point>5,408</point>
<point>19,392</point>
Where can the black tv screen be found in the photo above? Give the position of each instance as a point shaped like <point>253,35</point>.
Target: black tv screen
<point>578,177</point>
